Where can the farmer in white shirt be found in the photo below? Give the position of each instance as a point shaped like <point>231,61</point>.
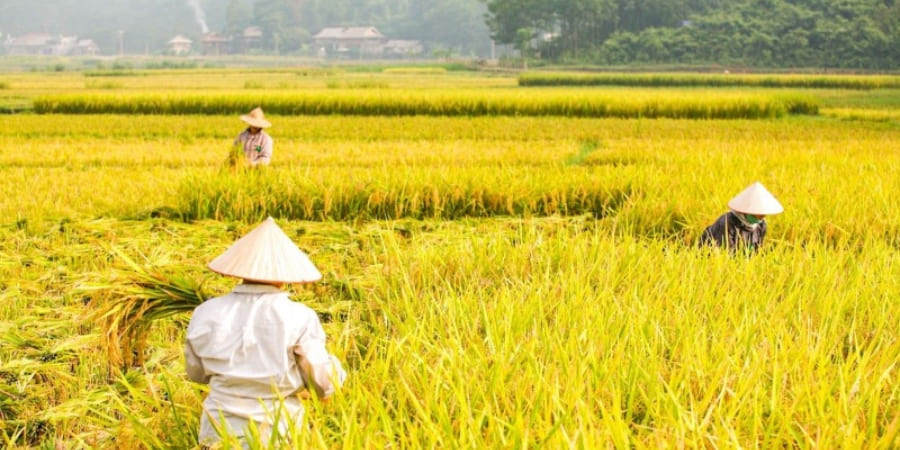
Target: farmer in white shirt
<point>256,143</point>
<point>255,347</point>
<point>744,227</point>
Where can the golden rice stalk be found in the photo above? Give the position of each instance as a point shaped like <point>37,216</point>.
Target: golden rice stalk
<point>235,160</point>
<point>126,309</point>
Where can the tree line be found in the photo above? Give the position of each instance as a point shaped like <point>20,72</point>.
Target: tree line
<point>849,34</point>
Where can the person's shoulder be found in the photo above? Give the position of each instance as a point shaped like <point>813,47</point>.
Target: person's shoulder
<point>284,303</point>
<point>724,217</point>
<point>207,309</point>
<point>295,313</point>
<point>212,303</point>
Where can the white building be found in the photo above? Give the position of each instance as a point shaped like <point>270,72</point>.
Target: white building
<point>180,45</point>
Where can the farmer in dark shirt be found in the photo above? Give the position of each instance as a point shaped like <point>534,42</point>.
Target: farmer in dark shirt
<point>744,227</point>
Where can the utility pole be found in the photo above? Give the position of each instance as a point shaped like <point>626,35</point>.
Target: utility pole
<point>121,42</point>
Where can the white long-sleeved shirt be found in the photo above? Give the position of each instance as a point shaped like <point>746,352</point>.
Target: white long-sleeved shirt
<point>245,345</point>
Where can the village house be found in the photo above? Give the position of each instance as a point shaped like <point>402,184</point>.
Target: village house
<point>362,41</point>
<point>29,44</point>
<point>180,45</point>
<point>215,44</point>
<point>86,47</point>
<point>41,44</point>
<point>251,38</point>
<point>399,48</point>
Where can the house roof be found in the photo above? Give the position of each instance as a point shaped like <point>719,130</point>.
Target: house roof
<point>32,39</point>
<point>252,31</point>
<point>179,39</point>
<point>214,37</point>
<point>349,33</point>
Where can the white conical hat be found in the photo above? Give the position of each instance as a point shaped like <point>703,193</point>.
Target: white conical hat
<point>756,200</point>
<point>266,254</point>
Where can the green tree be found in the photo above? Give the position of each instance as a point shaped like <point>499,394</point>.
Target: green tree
<point>454,25</point>
<point>277,18</point>
<point>506,18</point>
<point>237,17</point>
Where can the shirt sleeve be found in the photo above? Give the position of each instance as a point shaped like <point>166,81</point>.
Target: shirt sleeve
<point>715,233</point>
<point>239,140</point>
<point>194,366</point>
<point>321,371</point>
<point>763,227</point>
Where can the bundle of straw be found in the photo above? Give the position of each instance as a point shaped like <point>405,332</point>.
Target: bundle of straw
<point>236,159</point>
<point>126,308</point>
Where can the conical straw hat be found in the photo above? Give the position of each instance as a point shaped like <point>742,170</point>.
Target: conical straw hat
<point>756,200</point>
<point>266,254</point>
<point>256,118</point>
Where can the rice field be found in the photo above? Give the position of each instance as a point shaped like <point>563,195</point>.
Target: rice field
<point>490,280</point>
<point>694,104</point>
<point>814,81</point>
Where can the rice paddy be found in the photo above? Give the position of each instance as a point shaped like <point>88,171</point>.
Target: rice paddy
<point>706,80</point>
<point>490,280</point>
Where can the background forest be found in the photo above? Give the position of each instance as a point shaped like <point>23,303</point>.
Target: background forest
<point>849,34</point>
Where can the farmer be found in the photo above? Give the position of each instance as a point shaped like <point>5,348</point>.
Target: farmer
<point>744,227</point>
<point>255,347</point>
<point>256,143</point>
